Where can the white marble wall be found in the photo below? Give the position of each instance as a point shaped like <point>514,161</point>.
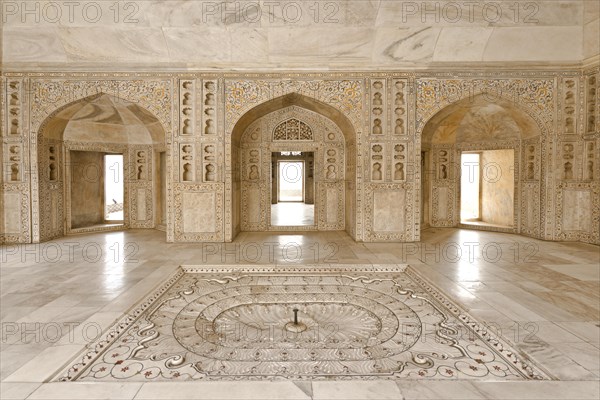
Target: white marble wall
<point>378,202</point>
<point>373,33</point>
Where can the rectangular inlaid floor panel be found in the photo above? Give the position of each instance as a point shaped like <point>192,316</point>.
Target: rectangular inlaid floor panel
<point>314,322</point>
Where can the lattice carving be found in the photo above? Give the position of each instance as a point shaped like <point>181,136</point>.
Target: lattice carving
<point>293,129</point>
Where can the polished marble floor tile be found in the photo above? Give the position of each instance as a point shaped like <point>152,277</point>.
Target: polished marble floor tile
<point>222,391</point>
<point>557,284</point>
<point>81,390</point>
<point>17,390</point>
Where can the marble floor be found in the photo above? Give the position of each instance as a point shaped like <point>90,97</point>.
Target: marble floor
<point>543,298</point>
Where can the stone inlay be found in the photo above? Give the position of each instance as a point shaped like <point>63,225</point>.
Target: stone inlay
<point>233,322</point>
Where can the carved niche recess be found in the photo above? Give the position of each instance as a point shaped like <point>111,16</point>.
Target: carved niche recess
<point>15,222</point>
<point>292,129</point>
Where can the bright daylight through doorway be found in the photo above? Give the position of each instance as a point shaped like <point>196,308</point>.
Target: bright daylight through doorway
<point>113,188</point>
<point>469,187</point>
<point>290,208</point>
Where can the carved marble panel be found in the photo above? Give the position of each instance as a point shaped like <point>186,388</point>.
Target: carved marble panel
<point>574,202</point>
<point>198,212</point>
<point>389,211</point>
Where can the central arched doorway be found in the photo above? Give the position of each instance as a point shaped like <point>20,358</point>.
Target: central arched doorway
<point>292,129</point>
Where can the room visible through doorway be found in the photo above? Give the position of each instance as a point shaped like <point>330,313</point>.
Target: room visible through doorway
<point>292,202</point>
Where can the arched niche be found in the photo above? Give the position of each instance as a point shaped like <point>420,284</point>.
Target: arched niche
<point>326,122</point>
<point>73,143</point>
<point>506,140</point>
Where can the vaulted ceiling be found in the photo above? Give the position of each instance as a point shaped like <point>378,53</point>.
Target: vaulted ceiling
<point>282,34</point>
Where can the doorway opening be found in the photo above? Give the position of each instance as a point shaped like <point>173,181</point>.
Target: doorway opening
<point>97,190</point>
<point>470,187</point>
<point>113,188</point>
<point>290,181</point>
<point>487,188</point>
<point>292,194</point>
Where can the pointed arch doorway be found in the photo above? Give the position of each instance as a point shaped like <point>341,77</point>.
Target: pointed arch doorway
<point>320,137</point>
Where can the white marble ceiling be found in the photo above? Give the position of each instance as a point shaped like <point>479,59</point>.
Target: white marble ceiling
<point>283,34</point>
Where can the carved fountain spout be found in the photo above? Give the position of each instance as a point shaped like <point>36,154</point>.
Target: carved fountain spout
<point>295,326</point>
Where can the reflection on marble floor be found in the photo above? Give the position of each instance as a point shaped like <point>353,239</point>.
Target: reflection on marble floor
<point>292,214</point>
<point>543,297</point>
<point>324,321</point>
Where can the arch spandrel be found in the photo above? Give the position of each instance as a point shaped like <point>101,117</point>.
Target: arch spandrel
<point>534,98</point>
<point>340,101</point>
<point>477,118</point>
<point>53,96</point>
<point>104,118</point>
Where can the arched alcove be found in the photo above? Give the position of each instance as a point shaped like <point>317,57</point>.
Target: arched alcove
<point>481,159</point>
<point>94,150</point>
<point>333,147</point>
